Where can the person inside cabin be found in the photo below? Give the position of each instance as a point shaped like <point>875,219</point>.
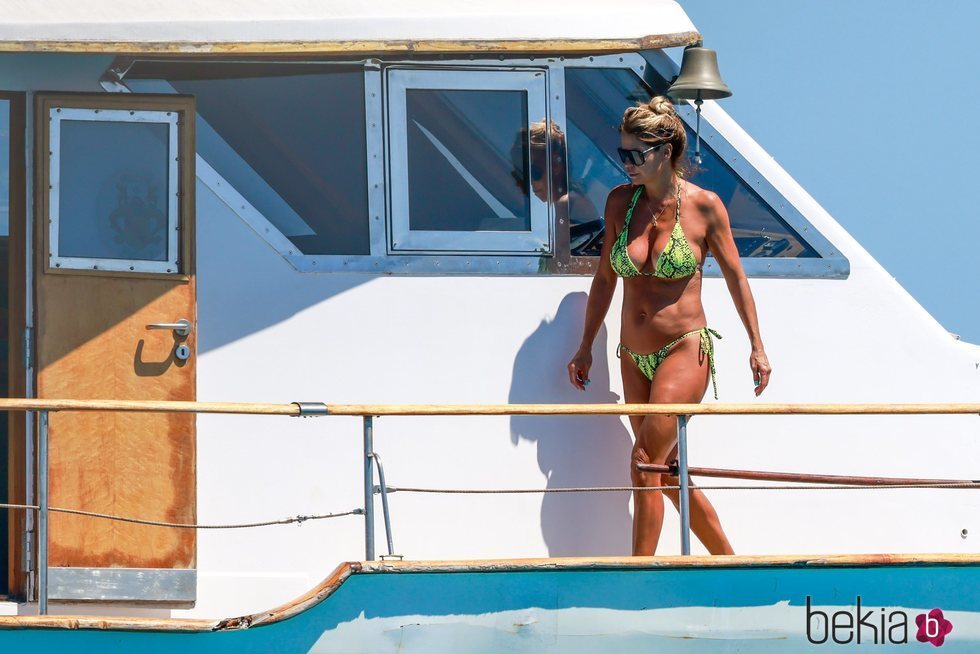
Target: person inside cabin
<point>570,203</point>
<point>659,228</point>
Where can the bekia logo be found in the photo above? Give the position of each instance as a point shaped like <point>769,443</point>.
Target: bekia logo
<point>933,627</point>
<point>873,626</point>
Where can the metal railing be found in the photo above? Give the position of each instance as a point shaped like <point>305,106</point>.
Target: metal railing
<point>368,412</point>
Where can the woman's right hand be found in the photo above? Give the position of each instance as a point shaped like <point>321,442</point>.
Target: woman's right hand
<point>578,369</point>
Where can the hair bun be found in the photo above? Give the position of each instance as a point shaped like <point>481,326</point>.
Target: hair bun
<point>656,122</point>
<point>662,106</point>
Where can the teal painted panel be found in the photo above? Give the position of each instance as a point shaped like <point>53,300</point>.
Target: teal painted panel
<point>696,611</point>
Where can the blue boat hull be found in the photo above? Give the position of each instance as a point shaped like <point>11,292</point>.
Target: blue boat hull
<point>573,608</point>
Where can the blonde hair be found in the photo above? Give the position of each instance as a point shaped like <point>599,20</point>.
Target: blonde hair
<point>536,141</point>
<point>657,122</point>
<point>541,131</point>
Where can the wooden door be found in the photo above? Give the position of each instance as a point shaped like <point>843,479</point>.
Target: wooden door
<point>115,255</point>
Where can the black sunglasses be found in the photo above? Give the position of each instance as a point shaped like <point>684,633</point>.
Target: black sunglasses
<point>637,157</point>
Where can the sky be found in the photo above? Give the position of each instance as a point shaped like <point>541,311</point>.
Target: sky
<point>873,106</point>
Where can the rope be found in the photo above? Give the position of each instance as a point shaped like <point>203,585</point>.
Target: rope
<point>616,489</point>
<point>512,491</point>
<point>299,519</point>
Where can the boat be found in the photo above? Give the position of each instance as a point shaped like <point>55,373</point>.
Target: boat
<point>252,251</point>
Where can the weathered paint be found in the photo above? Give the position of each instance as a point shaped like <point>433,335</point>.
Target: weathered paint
<point>698,609</point>
<point>393,47</point>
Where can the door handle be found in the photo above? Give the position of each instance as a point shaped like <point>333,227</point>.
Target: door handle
<point>181,328</point>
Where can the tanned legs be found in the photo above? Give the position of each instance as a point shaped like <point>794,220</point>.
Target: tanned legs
<point>682,378</point>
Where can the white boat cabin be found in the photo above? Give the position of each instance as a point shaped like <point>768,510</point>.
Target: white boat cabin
<point>390,203</point>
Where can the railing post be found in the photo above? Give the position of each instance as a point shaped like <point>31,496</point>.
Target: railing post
<point>383,487</point>
<point>368,488</point>
<point>42,521</point>
<point>684,492</point>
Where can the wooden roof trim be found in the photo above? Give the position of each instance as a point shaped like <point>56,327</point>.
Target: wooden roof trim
<point>556,46</point>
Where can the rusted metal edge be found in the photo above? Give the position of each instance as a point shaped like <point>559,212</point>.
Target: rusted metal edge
<point>332,583</point>
<point>325,589</point>
<point>346,47</point>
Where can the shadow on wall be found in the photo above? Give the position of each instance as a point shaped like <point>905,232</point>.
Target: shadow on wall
<point>243,286</point>
<point>574,451</point>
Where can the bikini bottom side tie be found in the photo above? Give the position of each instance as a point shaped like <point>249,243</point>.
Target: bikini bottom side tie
<point>648,363</point>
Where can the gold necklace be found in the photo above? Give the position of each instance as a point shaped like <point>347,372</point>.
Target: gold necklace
<point>659,213</point>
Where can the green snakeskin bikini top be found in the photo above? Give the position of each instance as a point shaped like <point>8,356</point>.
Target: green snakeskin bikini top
<point>677,261</point>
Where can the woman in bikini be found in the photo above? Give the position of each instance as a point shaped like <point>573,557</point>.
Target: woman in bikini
<point>659,228</point>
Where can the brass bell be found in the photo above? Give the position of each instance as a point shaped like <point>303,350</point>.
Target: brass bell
<point>699,80</point>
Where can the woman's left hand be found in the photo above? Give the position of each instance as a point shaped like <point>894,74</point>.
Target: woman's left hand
<point>761,370</point>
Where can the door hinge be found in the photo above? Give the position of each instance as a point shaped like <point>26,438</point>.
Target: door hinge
<point>28,347</point>
<point>30,578</point>
<point>28,552</point>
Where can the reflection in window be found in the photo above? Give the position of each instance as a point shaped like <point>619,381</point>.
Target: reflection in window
<point>758,231</point>
<point>596,100</point>
<point>572,203</point>
<point>294,147</point>
<point>113,190</point>
<point>461,176</point>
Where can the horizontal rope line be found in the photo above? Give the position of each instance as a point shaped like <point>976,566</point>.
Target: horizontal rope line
<point>180,525</point>
<point>615,489</point>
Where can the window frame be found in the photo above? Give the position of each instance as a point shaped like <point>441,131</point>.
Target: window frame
<point>384,259</point>
<point>399,80</point>
<point>59,113</point>
<point>240,205</point>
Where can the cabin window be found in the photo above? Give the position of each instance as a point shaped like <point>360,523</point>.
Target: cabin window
<point>293,145</point>
<point>461,174</point>
<point>596,100</point>
<point>113,190</point>
<point>482,166</point>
